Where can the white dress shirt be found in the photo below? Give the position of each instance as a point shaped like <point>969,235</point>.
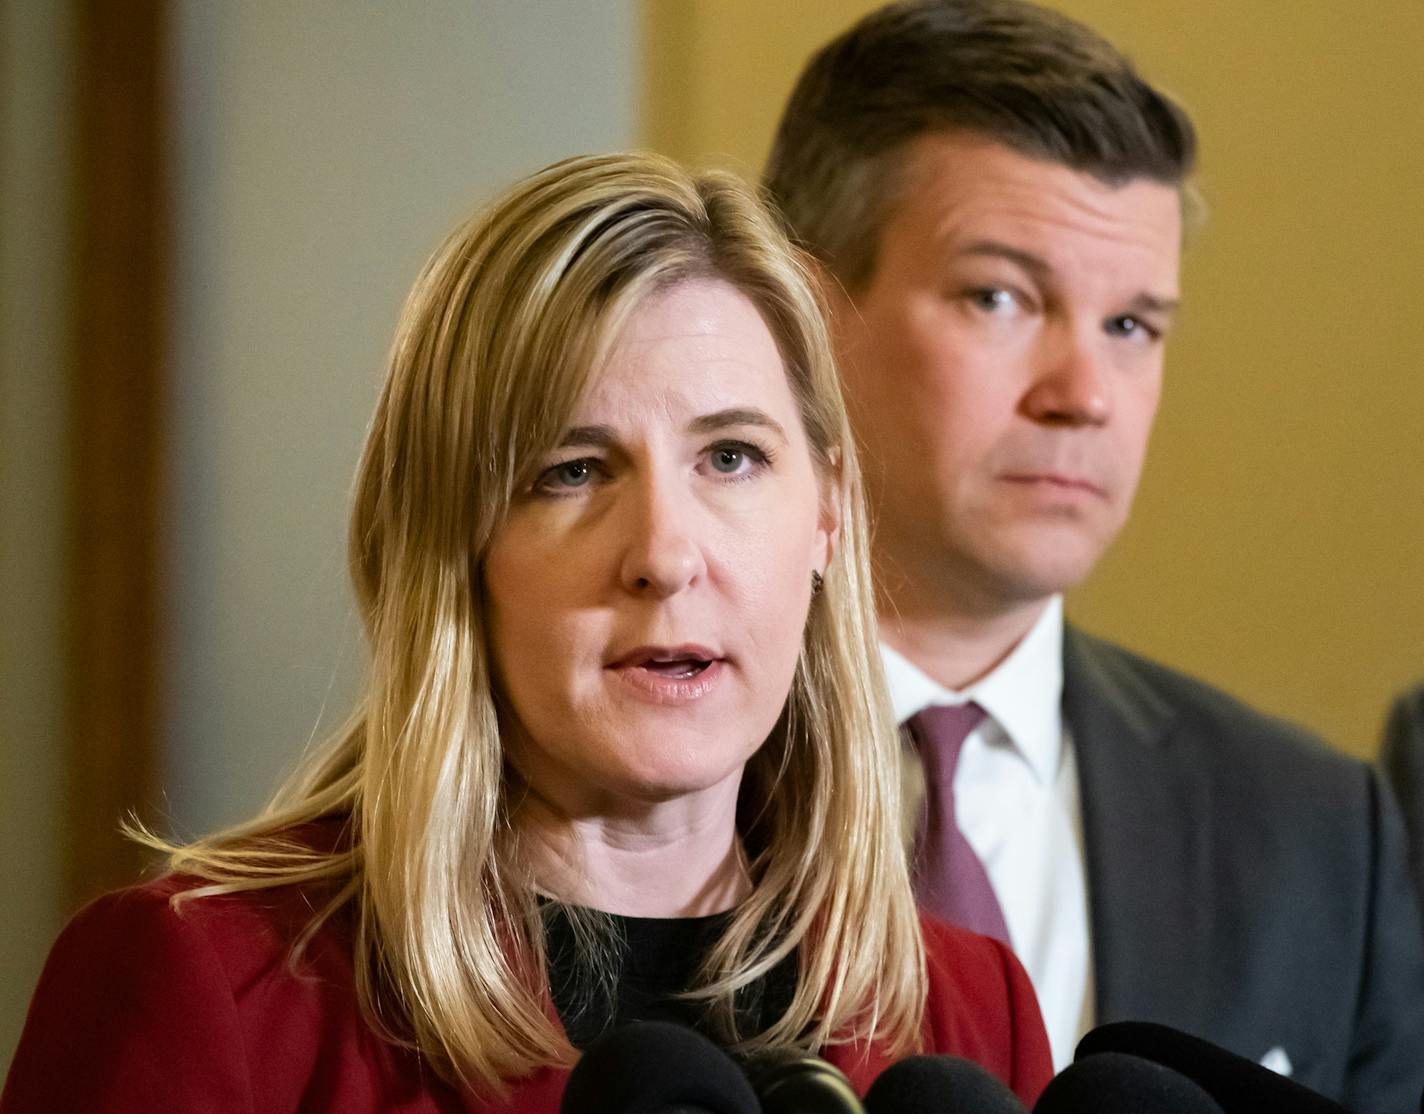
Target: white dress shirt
<point>1016,801</point>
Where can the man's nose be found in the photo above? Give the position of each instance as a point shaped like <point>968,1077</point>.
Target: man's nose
<point>1071,386</point>
<point>663,551</point>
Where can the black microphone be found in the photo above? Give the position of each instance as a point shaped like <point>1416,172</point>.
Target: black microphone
<point>654,1067</point>
<point>1235,1082</point>
<point>939,1084</point>
<point>1115,1083</point>
<point>797,1083</point>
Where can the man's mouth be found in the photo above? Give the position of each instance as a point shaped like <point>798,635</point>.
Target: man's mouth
<point>1056,480</point>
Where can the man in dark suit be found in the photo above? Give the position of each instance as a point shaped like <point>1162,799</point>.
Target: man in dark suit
<point>996,200</point>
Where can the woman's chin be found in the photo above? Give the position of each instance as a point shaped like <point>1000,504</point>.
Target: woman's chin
<point>663,787</point>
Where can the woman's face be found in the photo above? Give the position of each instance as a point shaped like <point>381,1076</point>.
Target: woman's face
<point>649,590</point>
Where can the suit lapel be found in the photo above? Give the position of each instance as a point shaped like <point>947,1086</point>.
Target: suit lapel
<point>1146,832</point>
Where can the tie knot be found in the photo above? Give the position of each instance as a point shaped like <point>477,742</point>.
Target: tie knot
<point>939,732</point>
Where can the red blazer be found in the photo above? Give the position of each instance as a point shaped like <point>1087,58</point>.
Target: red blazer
<point>141,1009</point>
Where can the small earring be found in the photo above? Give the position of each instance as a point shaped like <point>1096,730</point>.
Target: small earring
<point>817,583</point>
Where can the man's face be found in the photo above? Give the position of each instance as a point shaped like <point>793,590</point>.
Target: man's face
<point>1003,365</point>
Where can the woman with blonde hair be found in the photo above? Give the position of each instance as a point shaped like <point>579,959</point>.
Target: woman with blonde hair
<point>624,751</point>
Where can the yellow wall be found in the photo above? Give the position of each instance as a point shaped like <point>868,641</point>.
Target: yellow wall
<point>1277,548</point>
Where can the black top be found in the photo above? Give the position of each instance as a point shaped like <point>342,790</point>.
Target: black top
<point>652,961</point>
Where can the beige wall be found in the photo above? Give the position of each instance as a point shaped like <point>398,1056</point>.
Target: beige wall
<point>1277,547</point>
<point>35,79</point>
<point>321,151</point>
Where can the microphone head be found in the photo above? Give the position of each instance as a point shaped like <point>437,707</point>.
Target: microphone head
<point>923,1084</point>
<point>653,1067</point>
<point>1234,1081</point>
<point>1115,1083</point>
<point>797,1083</point>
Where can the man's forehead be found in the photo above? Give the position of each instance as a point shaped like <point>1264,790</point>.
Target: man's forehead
<point>960,188</point>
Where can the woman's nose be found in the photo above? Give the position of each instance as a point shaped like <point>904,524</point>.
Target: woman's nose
<point>663,551</point>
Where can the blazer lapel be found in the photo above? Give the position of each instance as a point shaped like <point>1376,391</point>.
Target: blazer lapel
<point>1146,833</point>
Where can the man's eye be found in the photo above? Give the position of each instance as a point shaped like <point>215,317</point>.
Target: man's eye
<point>1129,326</point>
<point>991,299</point>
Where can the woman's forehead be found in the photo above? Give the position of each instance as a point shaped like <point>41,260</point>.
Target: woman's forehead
<point>699,346</point>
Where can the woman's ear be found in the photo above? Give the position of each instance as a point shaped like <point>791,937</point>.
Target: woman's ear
<point>828,531</point>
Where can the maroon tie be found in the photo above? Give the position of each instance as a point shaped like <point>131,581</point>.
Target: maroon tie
<point>950,881</point>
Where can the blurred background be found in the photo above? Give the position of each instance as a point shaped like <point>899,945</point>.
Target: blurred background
<point>209,215</point>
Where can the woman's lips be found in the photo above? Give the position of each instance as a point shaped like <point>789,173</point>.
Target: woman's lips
<point>659,654</point>
<point>672,683</point>
<point>669,675</point>
<point>679,669</point>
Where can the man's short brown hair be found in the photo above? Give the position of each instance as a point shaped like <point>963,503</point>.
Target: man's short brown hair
<point>1024,76</point>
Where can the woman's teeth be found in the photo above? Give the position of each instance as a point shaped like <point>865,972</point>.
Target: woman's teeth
<point>679,668</point>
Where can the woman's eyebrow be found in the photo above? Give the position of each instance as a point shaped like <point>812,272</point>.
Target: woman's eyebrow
<point>602,436</point>
<point>596,436</point>
<point>734,416</point>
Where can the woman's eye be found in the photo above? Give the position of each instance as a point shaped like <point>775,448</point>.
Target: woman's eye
<point>569,474</point>
<point>728,459</point>
<point>736,458</point>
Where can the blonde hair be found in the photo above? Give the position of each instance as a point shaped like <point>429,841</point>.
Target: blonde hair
<point>497,341</point>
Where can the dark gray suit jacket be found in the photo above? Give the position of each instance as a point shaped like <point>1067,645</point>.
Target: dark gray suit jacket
<point>1402,760</point>
<point>1246,883</point>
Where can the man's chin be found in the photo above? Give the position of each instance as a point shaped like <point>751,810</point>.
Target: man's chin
<point>1019,578</point>
<point>994,572</point>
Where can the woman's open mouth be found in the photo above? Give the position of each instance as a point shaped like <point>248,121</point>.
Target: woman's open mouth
<point>676,667</point>
<point>670,674</point>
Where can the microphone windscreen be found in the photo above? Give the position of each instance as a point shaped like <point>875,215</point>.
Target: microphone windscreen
<point>1235,1082</point>
<point>653,1067</point>
<point>1115,1083</point>
<point>790,1082</point>
<point>939,1084</point>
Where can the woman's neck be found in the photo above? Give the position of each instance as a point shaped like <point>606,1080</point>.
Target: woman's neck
<point>674,859</point>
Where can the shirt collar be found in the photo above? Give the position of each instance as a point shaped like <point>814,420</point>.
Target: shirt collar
<point>1023,694</point>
